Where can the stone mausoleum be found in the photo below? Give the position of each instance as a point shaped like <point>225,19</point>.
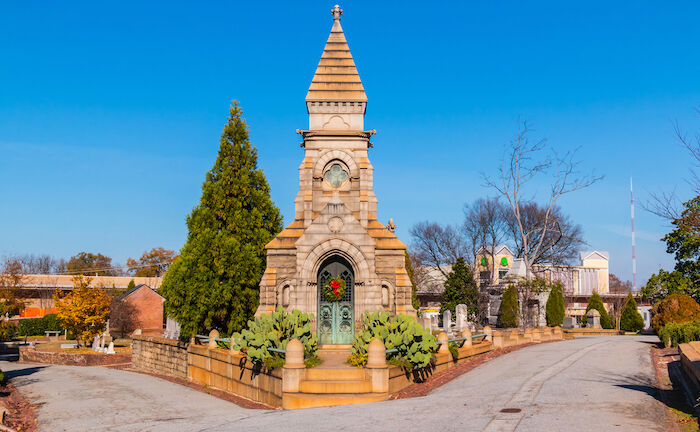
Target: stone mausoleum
<point>335,232</point>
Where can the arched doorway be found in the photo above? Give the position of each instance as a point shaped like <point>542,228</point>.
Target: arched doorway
<point>335,319</point>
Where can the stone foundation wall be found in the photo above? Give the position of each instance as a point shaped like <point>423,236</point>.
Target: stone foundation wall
<point>31,355</point>
<point>159,355</point>
<point>230,372</point>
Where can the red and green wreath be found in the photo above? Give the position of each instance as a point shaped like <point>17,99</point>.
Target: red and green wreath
<point>334,289</point>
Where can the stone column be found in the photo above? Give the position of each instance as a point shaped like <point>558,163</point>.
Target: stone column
<point>213,335</point>
<point>445,346</point>
<point>294,369</point>
<point>467,335</point>
<point>377,368</point>
<point>489,333</point>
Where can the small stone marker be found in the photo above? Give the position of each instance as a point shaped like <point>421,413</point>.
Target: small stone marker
<point>110,348</point>
<point>461,321</point>
<point>434,322</point>
<point>96,343</point>
<point>447,321</point>
<point>593,319</point>
<point>569,322</point>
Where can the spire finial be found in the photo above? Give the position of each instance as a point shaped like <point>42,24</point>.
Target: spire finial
<point>337,12</point>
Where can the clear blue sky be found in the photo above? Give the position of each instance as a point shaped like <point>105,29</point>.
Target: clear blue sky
<point>110,113</point>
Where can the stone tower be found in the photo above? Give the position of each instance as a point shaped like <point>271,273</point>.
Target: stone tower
<point>335,232</point>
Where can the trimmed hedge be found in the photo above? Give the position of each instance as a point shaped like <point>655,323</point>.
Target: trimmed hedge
<point>673,334</point>
<point>38,326</point>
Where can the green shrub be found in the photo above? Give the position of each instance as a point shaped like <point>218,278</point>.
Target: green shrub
<point>673,333</point>
<point>274,331</point>
<point>508,311</point>
<point>414,344</point>
<point>7,331</point>
<point>676,308</point>
<point>555,306</point>
<point>595,302</point>
<point>38,326</point>
<point>630,319</point>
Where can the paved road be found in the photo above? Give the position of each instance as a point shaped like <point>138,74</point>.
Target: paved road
<point>592,383</point>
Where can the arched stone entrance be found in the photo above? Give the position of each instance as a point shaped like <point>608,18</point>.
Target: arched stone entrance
<point>335,319</point>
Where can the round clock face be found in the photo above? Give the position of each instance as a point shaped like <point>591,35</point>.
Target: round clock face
<point>336,176</point>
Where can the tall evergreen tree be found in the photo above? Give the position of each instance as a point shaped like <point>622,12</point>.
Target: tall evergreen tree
<point>630,319</point>
<point>460,288</point>
<point>214,281</point>
<point>555,307</point>
<point>509,309</point>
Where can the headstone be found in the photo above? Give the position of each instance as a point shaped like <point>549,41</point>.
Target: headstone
<point>96,343</point>
<point>593,319</point>
<point>434,322</point>
<point>102,342</point>
<point>461,321</point>
<point>110,348</point>
<point>569,323</point>
<point>172,329</point>
<point>447,321</point>
<point>426,323</point>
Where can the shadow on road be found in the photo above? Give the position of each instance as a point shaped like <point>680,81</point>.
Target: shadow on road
<point>673,397</point>
<point>23,372</point>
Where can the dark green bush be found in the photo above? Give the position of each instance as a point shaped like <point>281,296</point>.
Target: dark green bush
<point>555,306</point>
<point>673,333</point>
<point>7,331</point>
<point>37,326</point>
<point>630,319</point>
<point>508,312</point>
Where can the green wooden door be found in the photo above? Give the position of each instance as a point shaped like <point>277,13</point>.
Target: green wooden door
<point>335,319</point>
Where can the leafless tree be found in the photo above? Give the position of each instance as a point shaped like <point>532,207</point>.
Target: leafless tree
<point>668,205</point>
<point>485,228</point>
<point>437,245</point>
<point>561,238</point>
<point>523,161</point>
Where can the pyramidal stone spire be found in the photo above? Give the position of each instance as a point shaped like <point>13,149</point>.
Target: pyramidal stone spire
<point>336,77</point>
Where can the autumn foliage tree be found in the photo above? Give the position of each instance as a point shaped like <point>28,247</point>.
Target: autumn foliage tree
<point>84,310</point>
<point>214,283</point>
<point>11,281</point>
<point>153,263</point>
<point>87,263</point>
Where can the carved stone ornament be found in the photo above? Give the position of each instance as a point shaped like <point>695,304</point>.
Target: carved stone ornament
<point>335,224</point>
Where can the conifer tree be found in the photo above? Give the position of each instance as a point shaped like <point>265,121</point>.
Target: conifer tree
<point>414,287</point>
<point>630,319</point>
<point>214,281</point>
<point>555,306</point>
<point>508,311</point>
<point>460,288</point>
<point>595,302</point>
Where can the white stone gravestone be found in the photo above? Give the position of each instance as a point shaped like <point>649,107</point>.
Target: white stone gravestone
<point>447,321</point>
<point>461,321</point>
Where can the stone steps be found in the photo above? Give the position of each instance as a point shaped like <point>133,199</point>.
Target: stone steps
<point>313,400</point>
<point>335,386</point>
<point>346,374</point>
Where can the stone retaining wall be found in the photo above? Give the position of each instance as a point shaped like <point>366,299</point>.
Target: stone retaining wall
<point>31,355</point>
<point>230,372</point>
<point>593,332</point>
<point>159,355</point>
<point>690,362</point>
